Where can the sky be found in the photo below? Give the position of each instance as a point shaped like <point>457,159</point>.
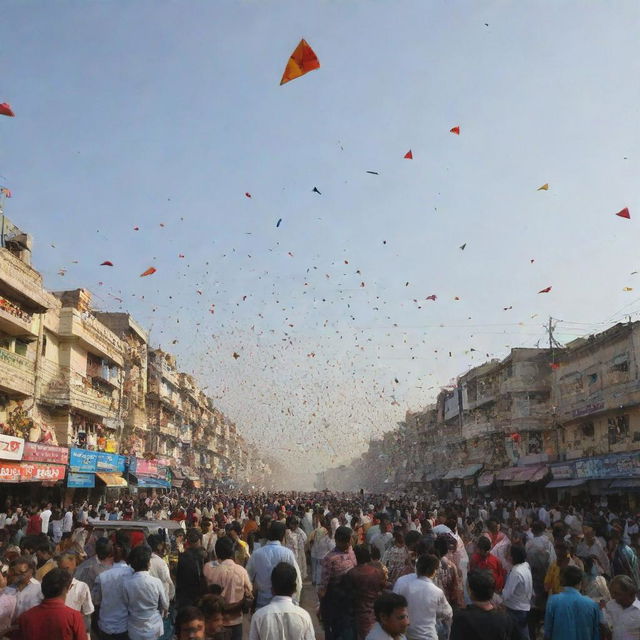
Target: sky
<point>162,115</point>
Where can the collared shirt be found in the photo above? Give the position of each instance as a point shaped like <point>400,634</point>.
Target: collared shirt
<point>584,550</point>
<point>426,604</point>
<point>108,594</point>
<point>89,570</point>
<point>7,608</point>
<point>518,589</point>
<point>281,619</point>
<point>79,598</point>
<point>52,619</point>
<point>261,564</point>
<point>158,568</point>
<point>145,597</point>
<point>67,522</point>
<point>209,542</point>
<point>235,584</point>
<point>383,541</point>
<point>571,616</point>
<point>44,517</point>
<point>335,565</point>
<point>378,633</point>
<point>624,623</point>
<point>31,596</point>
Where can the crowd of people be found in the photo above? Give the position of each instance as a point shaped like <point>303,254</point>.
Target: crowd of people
<point>416,567</point>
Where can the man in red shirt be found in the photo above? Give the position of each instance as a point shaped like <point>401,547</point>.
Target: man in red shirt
<point>483,560</point>
<point>34,526</point>
<point>52,618</point>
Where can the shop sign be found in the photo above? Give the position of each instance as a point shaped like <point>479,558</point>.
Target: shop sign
<point>626,465</point>
<point>83,461</point>
<point>143,467</point>
<point>31,472</point>
<point>11,448</point>
<point>35,452</point>
<point>562,471</point>
<point>110,462</point>
<point>81,480</point>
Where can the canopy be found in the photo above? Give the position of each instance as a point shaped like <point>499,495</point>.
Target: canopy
<point>559,484</point>
<point>112,479</point>
<point>485,480</point>
<point>463,472</point>
<point>625,483</point>
<point>522,475</point>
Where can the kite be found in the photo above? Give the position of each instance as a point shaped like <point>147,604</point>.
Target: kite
<point>5,192</point>
<point>624,214</point>
<point>106,263</point>
<point>408,155</point>
<point>315,190</point>
<point>455,130</point>
<point>302,60</point>
<point>6,110</point>
<point>247,194</point>
<point>278,223</point>
<point>544,187</point>
<point>373,173</point>
<point>545,290</point>
<point>462,247</point>
<point>136,228</point>
<point>433,297</point>
<point>148,272</point>
<point>628,289</point>
<point>236,355</point>
<point>554,365</point>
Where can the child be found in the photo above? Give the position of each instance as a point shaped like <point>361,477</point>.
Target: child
<point>213,606</point>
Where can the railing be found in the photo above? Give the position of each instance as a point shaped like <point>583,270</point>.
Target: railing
<point>15,360</point>
<point>18,371</point>
<point>14,310</point>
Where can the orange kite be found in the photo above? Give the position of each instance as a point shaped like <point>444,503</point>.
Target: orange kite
<point>302,60</point>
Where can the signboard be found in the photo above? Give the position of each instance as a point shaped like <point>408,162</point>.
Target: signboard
<point>110,462</point>
<point>11,448</point>
<point>81,480</point>
<point>83,461</point>
<point>625,465</point>
<point>45,453</point>
<point>143,467</point>
<point>562,471</point>
<point>31,472</point>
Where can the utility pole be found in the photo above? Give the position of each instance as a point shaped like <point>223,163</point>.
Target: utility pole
<point>553,343</point>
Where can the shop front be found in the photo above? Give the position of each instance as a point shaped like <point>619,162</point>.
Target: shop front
<point>462,480</point>
<point>148,475</point>
<point>96,474</point>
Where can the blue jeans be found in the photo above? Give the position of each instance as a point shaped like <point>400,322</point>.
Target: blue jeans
<point>520,618</point>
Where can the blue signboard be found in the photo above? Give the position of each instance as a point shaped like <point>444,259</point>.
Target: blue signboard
<point>83,461</point>
<point>81,480</point>
<point>110,462</point>
<point>152,483</point>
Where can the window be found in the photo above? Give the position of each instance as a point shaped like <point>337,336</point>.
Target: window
<point>587,429</point>
<point>593,378</point>
<point>44,346</point>
<point>618,429</point>
<point>622,367</point>
<point>21,347</point>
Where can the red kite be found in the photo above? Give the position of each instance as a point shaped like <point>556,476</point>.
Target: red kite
<point>624,214</point>
<point>433,297</point>
<point>408,155</point>
<point>302,60</point>
<point>106,263</point>
<point>455,130</point>
<point>148,272</point>
<point>6,110</point>
<point>545,290</point>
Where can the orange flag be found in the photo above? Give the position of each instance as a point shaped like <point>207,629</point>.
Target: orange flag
<point>148,272</point>
<point>302,60</point>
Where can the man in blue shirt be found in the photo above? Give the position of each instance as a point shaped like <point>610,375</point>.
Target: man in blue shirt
<point>570,615</point>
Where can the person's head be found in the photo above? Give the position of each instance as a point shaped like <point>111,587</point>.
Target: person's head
<point>104,548</point>
<point>571,576</point>
<point>283,579</point>
<point>121,551</point>
<point>68,561</point>
<point>518,554</point>
<point>623,590</point>
<point>492,526</point>
<point>194,538</point>
<point>190,624</point>
<point>343,538</point>
<point>157,544</point>
<point>362,553</point>
<point>411,539</point>
<point>140,557</point>
<point>390,610</point>
<point>375,554</point>
<point>224,548</point>
<point>426,565</point>
<point>55,584</point>
<point>481,585</point>
<point>538,528</point>
<point>452,523</point>
<point>484,546</point>
<point>20,571</point>
<point>205,525</point>
<point>212,606</point>
<point>562,553</point>
<point>44,552</point>
<point>398,538</point>
<point>235,529</point>
<point>277,530</point>
<point>292,523</point>
<point>589,534</point>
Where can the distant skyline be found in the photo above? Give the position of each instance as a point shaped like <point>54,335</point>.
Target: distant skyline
<point>163,115</point>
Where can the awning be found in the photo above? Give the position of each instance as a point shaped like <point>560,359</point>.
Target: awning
<point>485,480</point>
<point>625,483</point>
<point>522,475</point>
<point>559,484</point>
<point>463,472</point>
<point>150,482</point>
<point>112,479</point>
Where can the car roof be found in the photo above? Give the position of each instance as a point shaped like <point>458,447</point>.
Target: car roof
<point>153,525</point>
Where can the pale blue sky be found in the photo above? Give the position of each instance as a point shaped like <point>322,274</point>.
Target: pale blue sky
<point>145,112</point>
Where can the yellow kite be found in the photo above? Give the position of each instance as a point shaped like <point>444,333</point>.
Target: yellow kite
<point>302,60</point>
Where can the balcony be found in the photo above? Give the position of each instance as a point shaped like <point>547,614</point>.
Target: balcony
<point>24,283</point>
<point>17,374</point>
<point>14,320</point>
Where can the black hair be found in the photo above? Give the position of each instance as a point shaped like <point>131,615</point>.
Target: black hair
<point>571,576</point>
<point>426,565</point>
<point>154,541</point>
<point>55,582</point>
<point>211,605</point>
<point>412,538</point>
<point>343,534</point>
<point>387,603</point>
<point>538,527</point>
<point>224,548</point>
<point>484,544</point>
<point>193,536</point>
<point>187,614</point>
<point>284,579</point>
<point>482,585</point>
<point>140,557</point>
<point>518,554</point>
<point>104,548</point>
<point>45,547</point>
<point>362,554</point>
<point>276,531</point>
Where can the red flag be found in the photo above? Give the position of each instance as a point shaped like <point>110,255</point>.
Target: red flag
<point>106,263</point>
<point>455,130</point>
<point>6,110</point>
<point>624,214</point>
<point>554,365</point>
<point>408,155</point>
<point>546,290</point>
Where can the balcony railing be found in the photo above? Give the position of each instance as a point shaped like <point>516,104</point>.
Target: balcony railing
<point>16,372</point>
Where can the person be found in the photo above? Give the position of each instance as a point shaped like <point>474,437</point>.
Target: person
<point>518,591</point>
<point>7,602</point>
<point>45,516</point>
<point>427,603</point>
<point>392,618</point>
<point>44,554</point>
<point>263,561</point>
<point>235,583</point>
<point>212,606</point>
<point>92,567</point>
<point>569,614</point>
<point>240,548</point>
<point>78,595</point>
<point>209,537</point>
<point>396,557</point>
<point>364,584</point>
<point>384,539</point>
<point>67,520</point>
<point>591,546</point>
<point>541,555</point>
<point>321,543</point>
<point>52,618</point>
<point>481,620</point>
<point>158,568</point>
<point>623,558</point>
<point>27,589</point>
<point>622,612</point>
<point>281,619</point>
<point>190,624</point>
<point>34,527</point>
<point>332,592</point>
<point>190,583</point>
<point>483,560</point>
<point>296,540</point>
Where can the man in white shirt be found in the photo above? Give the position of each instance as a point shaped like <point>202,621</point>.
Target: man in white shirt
<point>392,617</point>
<point>591,546</point>
<point>67,521</point>
<point>622,612</point>
<point>158,568</point>
<point>24,586</point>
<point>544,516</point>
<point>79,595</point>
<point>518,590</point>
<point>427,602</point>
<point>281,618</point>
<point>45,516</point>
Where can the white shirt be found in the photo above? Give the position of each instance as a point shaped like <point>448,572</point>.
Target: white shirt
<point>79,597</point>
<point>158,569</point>
<point>281,620</point>
<point>543,514</point>
<point>518,588</point>
<point>44,516</point>
<point>378,633</point>
<point>145,597</point>
<point>624,623</point>
<point>261,564</point>
<point>67,522</point>
<point>31,596</point>
<point>427,603</point>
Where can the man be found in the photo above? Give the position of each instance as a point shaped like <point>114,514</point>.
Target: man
<point>145,598</point>
<point>235,583</point>
<point>541,555</point>
<point>209,537</point>
<point>622,612</point>
<point>592,547</point>
<point>67,520</point>
<point>384,539</point>
<point>518,591</point>
<point>426,602</point>
<point>240,548</point>
<point>52,618</point>
<point>482,560</point>
<point>78,595</point>
<point>544,516</point>
<point>264,560</point>
<point>392,618</point>
<point>92,567</point>
<point>44,554</point>
<point>189,577</point>
<point>190,624</point>
<point>158,568</point>
<point>570,615</point>
<point>108,595</point>
<point>34,527</point>
<point>281,618</point>
<point>378,520</point>
<point>45,516</point>
<point>27,589</point>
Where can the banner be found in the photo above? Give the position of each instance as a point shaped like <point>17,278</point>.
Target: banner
<point>31,472</point>
<point>11,448</point>
<point>83,461</point>
<point>110,462</point>
<point>45,453</point>
<point>81,480</point>
<point>143,467</point>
